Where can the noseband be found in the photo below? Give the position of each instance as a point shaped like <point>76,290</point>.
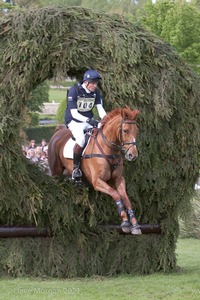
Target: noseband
<point>124,121</point>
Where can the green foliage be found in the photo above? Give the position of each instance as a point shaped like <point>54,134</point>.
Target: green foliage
<point>61,111</point>
<point>138,70</point>
<point>38,133</point>
<point>117,6</point>
<point>197,4</point>
<point>59,83</point>
<point>57,95</point>
<point>37,97</point>
<point>4,5</point>
<point>177,23</point>
<point>62,2</point>
<point>125,7</point>
<point>46,117</point>
<point>190,226</point>
<point>26,3</point>
<point>34,119</point>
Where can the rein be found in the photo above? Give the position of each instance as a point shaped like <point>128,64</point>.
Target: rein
<point>119,147</point>
<point>107,157</point>
<point>112,145</point>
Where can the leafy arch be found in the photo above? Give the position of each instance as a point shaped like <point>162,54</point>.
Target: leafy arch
<point>138,70</point>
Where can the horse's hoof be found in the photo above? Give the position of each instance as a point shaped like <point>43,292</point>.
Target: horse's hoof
<point>126,228</point>
<point>135,229</point>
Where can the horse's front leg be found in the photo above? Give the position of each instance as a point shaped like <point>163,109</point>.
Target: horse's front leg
<point>121,188</point>
<point>102,186</point>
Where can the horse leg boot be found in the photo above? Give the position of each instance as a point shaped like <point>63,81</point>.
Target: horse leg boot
<point>135,227</point>
<point>121,188</point>
<point>77,174</point>
<point>125,225</point>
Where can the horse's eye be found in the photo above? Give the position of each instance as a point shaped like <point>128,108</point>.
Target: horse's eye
<point>125,131</point>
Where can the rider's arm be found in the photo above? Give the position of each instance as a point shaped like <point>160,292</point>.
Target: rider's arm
<point>101,111</point>
<point>75,114</point>
<point>99,105</point>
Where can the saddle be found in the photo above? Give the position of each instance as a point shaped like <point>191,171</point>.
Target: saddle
<point>68,150</point>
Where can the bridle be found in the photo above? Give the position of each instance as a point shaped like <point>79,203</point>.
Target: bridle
<point>114,160</point>
<point>119,147</point>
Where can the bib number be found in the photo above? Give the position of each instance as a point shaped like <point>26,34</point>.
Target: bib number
<point>85,104</point>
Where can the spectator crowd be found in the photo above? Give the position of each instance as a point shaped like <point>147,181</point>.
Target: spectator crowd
<point>37,153</point>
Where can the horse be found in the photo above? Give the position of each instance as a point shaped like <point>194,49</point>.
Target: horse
<point>102,161</point>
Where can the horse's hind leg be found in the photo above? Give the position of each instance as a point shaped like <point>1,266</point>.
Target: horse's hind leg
<point>121,188</point>
<point>58,170</point>
<point>56,167</point>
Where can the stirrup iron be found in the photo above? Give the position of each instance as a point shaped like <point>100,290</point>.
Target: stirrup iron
<point>76,174</point>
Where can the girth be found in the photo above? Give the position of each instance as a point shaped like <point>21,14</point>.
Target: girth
<point>109,157</point>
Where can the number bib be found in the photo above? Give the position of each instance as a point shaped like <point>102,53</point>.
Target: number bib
<point>85,104</point>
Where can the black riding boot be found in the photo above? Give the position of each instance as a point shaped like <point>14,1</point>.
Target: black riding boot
<point>77,174</point>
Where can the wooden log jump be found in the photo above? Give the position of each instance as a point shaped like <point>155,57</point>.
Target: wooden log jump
<point>23,231</point>
<point>32,231</point>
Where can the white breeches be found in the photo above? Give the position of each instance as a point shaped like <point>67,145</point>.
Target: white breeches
<point>77,130</point>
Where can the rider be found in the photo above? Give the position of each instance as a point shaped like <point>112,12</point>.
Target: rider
<point>81,99</point>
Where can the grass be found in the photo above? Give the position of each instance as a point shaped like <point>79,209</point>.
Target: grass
<point>46,117</point>
<point>57,95</point>
<point>181,285</point>
<point>61,83</point>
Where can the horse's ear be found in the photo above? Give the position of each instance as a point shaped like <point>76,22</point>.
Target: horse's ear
<point>122,113</point>
<point>128,113</point>
<point>125,111</point>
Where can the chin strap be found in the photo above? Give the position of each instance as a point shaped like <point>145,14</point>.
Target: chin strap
<point>86,86</point>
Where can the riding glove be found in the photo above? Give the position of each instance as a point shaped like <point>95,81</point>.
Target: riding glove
<point>92,122</point>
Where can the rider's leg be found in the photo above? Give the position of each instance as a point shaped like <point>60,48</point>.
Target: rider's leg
<point>77,174</point>
<point>77,130</point>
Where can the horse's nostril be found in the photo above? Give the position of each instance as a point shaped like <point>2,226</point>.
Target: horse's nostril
<point>130,156</point>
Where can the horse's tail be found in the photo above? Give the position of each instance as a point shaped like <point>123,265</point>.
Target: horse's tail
<point>60,126</point>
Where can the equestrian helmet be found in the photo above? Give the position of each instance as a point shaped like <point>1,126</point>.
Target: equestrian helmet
<point>91,76</point>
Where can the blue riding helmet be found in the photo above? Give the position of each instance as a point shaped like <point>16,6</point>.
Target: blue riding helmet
<point>91,75</point>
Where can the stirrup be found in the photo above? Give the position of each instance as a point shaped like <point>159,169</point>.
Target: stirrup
<point>76,174</point>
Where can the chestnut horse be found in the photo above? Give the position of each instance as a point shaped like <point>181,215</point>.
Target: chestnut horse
<point>102,163</point>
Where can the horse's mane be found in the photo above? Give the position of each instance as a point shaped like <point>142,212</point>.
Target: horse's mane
<point>125,113</point>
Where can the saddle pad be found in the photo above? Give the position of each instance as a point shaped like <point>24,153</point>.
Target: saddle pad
<point>69,147</point>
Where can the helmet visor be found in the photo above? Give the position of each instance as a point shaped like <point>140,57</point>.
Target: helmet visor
<point>96,80</point>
